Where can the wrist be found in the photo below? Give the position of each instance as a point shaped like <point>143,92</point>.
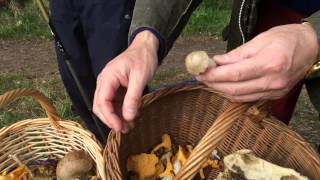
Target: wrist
<point>147,38</point>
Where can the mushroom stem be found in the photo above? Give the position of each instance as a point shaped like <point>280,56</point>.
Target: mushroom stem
<point>198,62</point>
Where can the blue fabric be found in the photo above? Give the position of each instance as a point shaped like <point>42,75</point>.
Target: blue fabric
<point>93,32</point>
<point>306,7</point>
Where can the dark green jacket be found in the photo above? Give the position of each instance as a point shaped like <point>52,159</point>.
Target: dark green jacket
<point>168,17</point>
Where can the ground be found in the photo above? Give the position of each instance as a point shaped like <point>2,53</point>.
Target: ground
<point>35,58</point>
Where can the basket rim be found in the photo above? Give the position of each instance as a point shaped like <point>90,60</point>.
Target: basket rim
<point>64,125</point>
<point>111,153</point>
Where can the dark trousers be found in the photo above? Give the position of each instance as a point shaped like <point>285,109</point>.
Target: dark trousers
<point>93,32</point>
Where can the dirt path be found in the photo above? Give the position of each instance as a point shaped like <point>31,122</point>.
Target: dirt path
<point>36,58</point>
<point>30,57</point>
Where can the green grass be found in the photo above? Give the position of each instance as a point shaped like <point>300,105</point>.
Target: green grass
<point>26,24</point>
<point>210,17</point>
<point>28,108</point>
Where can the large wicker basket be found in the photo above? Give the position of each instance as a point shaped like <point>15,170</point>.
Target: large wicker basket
<point>194,114</point>
<point>44,138</point>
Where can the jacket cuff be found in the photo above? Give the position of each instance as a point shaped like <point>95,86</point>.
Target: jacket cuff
<point>314,20</point>
<point>162,44</point>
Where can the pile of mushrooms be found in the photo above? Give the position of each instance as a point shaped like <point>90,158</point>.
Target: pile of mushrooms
<point>73,166</point>
<point>164,161</point>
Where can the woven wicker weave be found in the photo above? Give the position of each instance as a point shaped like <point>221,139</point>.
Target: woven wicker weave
<point>44,137</point>
<point>194,114</point>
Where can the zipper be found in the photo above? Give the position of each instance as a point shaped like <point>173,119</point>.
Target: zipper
<point>239,21</point>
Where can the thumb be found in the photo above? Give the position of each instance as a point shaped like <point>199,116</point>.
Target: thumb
<point>132,98</point>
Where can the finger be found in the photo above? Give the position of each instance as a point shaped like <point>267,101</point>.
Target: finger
<point>132,98</point>
<point>263,84</point>
<point>260,96</point>
<point>100,116</point>
<point>105,96</point>
<point>96,109</point>
<point>125,127</point>
<point>250,97</point>
<point>131,124</point>
<point>244,70</point>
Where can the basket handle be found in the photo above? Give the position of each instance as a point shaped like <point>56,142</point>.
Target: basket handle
<point>212,137</point>
<point>45,103</point>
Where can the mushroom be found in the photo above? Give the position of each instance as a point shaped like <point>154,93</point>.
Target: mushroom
<point>17,174</point>
<point>198,61</point>
<point>180,156</point>
<point>176,166</point>
<point>169,169</point>
<point>144,165</point>
<point>179,160</point>
<point>246,164</point>
<point>167,178</point>
<point>73,165</point>
<point>166,144</point>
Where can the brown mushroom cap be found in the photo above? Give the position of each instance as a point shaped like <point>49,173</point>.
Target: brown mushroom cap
<point>73,164</point>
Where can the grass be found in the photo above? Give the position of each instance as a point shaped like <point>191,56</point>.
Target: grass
<point>25,24</point>
<point>210,17</point>
<point>25,108</point>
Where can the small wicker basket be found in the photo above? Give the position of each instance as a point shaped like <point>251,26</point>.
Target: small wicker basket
<point>194,114</point>
<point>43,138</point>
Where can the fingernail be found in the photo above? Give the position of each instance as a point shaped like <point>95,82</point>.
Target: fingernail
<point>125,128</point>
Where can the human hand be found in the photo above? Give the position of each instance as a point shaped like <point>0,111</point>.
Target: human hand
<point>121,83</point>
<point>266,67</point>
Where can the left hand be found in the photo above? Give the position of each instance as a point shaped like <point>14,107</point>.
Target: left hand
<point>267,67</point>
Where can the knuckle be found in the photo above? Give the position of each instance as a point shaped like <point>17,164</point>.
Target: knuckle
<point>278,64</point>
<point>282,83</point>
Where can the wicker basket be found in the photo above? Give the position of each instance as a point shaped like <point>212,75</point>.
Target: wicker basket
<point>44,137</point>
<point>194,114</point>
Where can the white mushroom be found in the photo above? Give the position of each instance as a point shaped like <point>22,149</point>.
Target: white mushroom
<point>176,166</point>
<point>245,163</point>
<point>198,61</point>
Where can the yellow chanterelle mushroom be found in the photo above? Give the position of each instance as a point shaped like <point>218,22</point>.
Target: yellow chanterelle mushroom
<point>17,174</point>
<point>144,165</point>
<point>169,169</point>
<point>166,144</point>
<point>181,156</point>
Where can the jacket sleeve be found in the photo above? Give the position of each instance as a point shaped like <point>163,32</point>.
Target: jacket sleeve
<point>166,18</point>
<point>314,19</point>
